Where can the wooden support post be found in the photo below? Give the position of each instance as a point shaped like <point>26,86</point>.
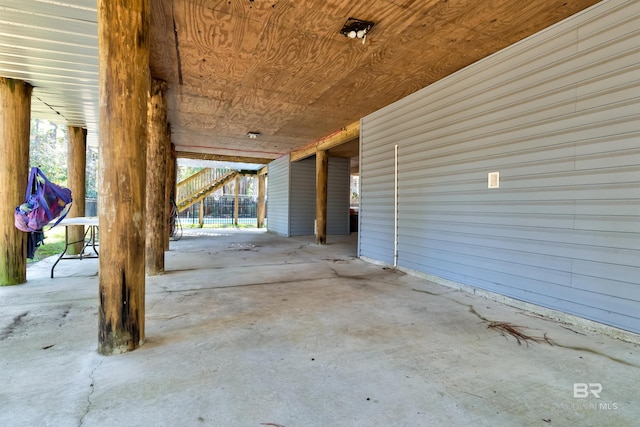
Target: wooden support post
<point>15,117</point>
<point>170,186</point>
<point>77,167</point>
<point>235,205</point>
<point>124,82</point>
<point>201,213</point>
<point>261,200</point>
<point>322,172</point>
<point>156,177</point>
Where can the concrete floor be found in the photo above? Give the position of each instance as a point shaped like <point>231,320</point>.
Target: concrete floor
<point>250,329</point>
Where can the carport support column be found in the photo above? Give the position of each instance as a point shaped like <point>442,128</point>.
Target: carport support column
<point>170,189</point>
<point>235,205</point>
<point>261,200</point>
<point>322,172</point>
<point>123,58</point>
<point>156,177</point>
<point>77,167</point>
<point>15,123</point>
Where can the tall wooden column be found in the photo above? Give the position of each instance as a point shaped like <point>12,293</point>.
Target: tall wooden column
<point>156,177</point>
<point>77,167</point>
<point>15,118</point>
<point>123,57</point>
<point>170,188</point>
<point>322,172</point>
<point>261,200</point>
<point>237,199</point>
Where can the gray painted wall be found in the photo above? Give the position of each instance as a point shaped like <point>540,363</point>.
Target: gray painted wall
<point>558,115</point>
<point>303,197</point>
<point>338,195</point>
<point>291,195</point>
<point>278,196</point>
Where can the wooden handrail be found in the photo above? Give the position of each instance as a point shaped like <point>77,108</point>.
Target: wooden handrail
<point>197,182</point>
<point>205,190</point>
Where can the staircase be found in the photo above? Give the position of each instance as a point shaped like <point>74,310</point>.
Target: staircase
<point>200,185</point>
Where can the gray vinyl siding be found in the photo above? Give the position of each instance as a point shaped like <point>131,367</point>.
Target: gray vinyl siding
<point>338,195</point>
<point>376,214</point>
<point>292,196</point>
<point>558,115</point>
<point>303,197</point>
<point>278,196</point>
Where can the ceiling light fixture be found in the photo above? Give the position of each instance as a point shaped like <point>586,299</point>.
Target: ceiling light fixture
<point>356,28</point>
<point>253,135</point>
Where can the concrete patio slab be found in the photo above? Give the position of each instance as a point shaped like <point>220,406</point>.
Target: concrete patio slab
<point>247,329</point>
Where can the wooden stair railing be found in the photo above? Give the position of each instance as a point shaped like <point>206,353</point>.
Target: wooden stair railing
<point>200,185</point>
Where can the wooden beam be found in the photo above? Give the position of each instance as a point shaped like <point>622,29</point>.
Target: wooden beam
<point>170,185</point>
<point>303,153</point>
<point>222,158</point>
<point>261,208</point>
<point>15,116</point>
<point>77,165</point>
<point>263,171</point>
<point>123,59</point>
<point>322,173</point>
<point>237,199</point>
<point>344,135</point>
<point>156,177</point>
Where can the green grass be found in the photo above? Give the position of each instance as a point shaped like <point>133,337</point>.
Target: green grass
<point>53,245</point>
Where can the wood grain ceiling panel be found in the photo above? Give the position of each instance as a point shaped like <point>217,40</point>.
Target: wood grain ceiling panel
<point>280,67</point>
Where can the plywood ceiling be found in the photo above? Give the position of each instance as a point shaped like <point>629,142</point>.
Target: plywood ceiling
<point>281,67</point>
<point>278,67</point>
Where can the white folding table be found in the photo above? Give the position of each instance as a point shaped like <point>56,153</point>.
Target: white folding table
<point>89,239</point>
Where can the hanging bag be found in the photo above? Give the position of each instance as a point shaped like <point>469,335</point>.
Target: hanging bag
<point>44,201</point>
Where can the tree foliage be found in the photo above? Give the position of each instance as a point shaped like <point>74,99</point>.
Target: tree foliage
<point>48,150</point>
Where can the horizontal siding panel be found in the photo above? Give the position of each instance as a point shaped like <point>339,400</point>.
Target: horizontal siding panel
<point>525,284</point>
<point>611,272</point>
<point>534,248</point>
<point>278,196</point>
<point>481,220</point>
<point>608,207</point>
<point>613,191</point>
<point>519,276</point>
<point>612,25</point>
<point>303,197</point>
<point>558,115</point>
<point>425,245</point>
<point>338,196</point>
<point>376,236</point>
<point>596,284</point>
<point>542,234</point>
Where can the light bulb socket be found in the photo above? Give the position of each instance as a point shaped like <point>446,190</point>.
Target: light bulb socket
<point>356,28</point>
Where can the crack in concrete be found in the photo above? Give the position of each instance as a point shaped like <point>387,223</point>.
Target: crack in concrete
<point>9,330</point>
<point>596,352</point>
<point>213,288</point>
<point>91,386</point>
<point>555,343</point>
